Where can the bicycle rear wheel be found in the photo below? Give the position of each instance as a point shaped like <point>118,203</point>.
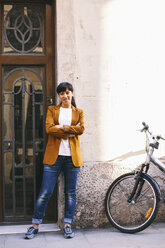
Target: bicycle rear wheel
<point>134,216</point>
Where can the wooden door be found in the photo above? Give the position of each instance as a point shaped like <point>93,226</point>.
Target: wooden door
<point>27,86</point>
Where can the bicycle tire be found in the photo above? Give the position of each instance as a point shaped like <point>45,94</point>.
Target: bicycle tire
<point>135,216</point>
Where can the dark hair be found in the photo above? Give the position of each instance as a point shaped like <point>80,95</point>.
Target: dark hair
<point>63,87</point>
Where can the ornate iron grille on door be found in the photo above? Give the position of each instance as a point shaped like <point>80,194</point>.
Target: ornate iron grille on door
<point>23,103</point>
<point>23,30</point>
<point>23,137</point>
<point>26,82</point>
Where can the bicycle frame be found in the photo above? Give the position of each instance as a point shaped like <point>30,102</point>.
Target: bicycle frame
<point>150,146</point>
<point>150,150</point>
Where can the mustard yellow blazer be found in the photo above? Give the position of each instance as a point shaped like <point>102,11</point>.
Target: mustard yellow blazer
<point>55,134</point>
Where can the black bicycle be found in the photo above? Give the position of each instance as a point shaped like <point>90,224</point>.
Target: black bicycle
<point>132,200</point>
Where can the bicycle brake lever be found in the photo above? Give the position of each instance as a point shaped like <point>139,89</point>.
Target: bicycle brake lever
<point>138,130</point>
<point>143,129</point>
<point>159,137</point>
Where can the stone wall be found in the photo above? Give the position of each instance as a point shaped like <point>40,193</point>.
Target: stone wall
<point>93,182</point>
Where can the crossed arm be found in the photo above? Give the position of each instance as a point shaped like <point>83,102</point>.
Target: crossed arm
<point>64,131</point>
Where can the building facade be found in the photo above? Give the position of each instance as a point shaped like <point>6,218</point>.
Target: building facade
<point>112,51</point>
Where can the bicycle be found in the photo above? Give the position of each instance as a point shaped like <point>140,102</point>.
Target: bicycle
<point>132,200</point>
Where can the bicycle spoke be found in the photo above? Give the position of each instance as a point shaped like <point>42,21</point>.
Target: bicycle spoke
<point>135,215</point>
<point>143,193</point>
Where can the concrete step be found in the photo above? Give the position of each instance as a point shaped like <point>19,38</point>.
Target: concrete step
<point>14,229</point>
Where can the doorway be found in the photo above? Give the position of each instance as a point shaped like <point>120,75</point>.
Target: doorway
<point>27,63</point>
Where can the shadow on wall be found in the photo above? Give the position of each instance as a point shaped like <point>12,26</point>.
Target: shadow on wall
<point>129,154</point>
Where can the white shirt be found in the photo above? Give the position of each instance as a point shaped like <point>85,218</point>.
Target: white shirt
<point>65,118</point>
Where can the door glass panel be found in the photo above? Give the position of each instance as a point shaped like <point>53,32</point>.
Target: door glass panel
<point>7,121</point>
<point>39,168</point>
<point>19,195</point>
<point>12,76</point>
<point>29,195</point>
<point>37,78</point>
<point>29,171</point>
<point>23,29</point>
<point>23,134</point>
<point>38,97</point>
<point>18,121</point>
<point>39,145</point>
<point>18,155</point>
<point>29,158</point>
<point>38,119</point>
<point>8,183</point>
<point>7,98</point>
<point>28,123</point>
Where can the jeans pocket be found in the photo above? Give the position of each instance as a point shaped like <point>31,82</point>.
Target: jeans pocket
<point>47,167</point>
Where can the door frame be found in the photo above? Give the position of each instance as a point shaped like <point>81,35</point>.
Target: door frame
<point>47,60</point>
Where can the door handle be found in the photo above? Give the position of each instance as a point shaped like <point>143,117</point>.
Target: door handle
<point>50,100</point>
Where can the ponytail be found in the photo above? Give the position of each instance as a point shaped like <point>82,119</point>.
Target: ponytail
<point>73,102</point>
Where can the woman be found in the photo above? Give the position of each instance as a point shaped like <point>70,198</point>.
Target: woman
<point>64,124</point>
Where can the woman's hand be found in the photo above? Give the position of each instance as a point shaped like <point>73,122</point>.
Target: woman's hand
<point>59,126</point>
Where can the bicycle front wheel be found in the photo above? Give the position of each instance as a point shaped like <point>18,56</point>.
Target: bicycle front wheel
<point>134,216</point>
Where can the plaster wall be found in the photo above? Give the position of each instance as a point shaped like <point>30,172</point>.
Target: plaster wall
<point>113,52</point>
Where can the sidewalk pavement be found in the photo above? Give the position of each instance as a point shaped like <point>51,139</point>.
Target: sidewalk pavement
<point>152,237</point>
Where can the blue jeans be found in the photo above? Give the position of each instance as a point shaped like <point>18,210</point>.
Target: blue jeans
<point>50,175</point>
